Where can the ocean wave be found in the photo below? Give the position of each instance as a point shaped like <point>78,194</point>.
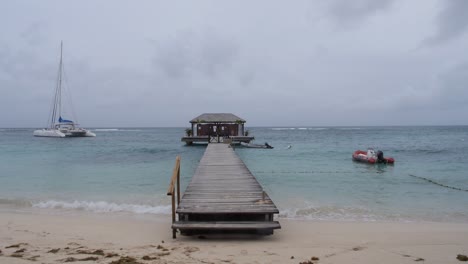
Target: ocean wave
<point>318,128</point>
<point>15,129</point>
<point>421,150</point>
<point>334,213</point>
<point>147,150</point>
<point>106,129</point>
<point>116,129</point>
<point>300,128</point>
<point>103,207</point>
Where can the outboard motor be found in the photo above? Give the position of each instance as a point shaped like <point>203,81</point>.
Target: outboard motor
<point>380,157</point>
<point>268,145</point>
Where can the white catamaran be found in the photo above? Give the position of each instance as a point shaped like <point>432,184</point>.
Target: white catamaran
<point>61,127</point>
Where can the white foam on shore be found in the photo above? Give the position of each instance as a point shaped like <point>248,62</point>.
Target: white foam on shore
<point>103,207</point>
<point>334,213</point>
<point>321,213</point>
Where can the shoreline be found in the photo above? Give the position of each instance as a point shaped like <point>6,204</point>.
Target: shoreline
<point>314,214</point>
<point>163,211</point>
<point>78,236</point>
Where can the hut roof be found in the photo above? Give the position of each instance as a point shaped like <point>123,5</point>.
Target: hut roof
<point>217,118</point>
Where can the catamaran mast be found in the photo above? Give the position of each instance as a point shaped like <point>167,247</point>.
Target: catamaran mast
<point>57,108</point>
<point>60,81</point>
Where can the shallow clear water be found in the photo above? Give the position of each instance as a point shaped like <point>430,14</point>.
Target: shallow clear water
<point>128,170</point>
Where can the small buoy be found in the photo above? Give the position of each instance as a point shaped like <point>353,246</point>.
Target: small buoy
<point>288,147</point>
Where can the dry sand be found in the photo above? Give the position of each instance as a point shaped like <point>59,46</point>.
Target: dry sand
<point>35,237</point>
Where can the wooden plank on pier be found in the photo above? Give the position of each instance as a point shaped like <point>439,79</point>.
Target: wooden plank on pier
<point>223,184</point>
<point>247,225</point>
<point>224,195</point>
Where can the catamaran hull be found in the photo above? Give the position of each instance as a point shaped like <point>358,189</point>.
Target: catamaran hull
<point>48,133</point>
<point>78,133</point>
<point>62,134</point>
<point>89,134</point>
<point>75,133</point>
<point>81,133</point>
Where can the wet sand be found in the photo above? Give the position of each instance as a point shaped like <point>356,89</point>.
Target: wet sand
<point>35,237</point>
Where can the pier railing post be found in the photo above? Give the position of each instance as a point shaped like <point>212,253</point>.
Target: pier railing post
<point>175,180</point>
<point>173,215</point>
<point>178,184</point>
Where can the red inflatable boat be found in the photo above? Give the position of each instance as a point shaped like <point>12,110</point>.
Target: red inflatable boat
<point>371,157</point>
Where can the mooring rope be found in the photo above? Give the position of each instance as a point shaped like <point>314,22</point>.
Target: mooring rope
<point>437,183</point>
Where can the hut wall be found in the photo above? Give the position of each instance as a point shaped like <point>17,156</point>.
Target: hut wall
<point>221,129</point>
<point>204,130</point>
<point>229,129</point>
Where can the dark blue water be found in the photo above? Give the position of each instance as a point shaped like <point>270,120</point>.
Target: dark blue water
<point>129,170</point>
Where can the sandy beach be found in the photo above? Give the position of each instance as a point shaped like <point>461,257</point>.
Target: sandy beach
<point>39,237</point>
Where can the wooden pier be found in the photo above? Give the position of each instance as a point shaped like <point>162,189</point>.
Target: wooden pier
<point>223,196</point>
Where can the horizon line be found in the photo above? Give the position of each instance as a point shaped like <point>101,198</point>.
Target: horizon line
<point>298,126</point>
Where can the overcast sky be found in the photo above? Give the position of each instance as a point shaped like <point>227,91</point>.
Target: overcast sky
<point>273,63</point>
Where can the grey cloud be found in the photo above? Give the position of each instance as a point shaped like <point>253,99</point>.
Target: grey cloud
<point>174,57</point>
<point>446,96</point>
<point>189,52</point>
<point>217,54</point>
<point>21,79</point>
<point>33,34</point>
<point>347,13</point>
<point>453,90</point>
<point>261,60</point>
<point>451,22</point>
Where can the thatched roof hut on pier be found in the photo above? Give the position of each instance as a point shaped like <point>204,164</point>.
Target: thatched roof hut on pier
<point>217,128</point>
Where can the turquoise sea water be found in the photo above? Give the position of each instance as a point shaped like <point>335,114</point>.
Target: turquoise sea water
<point>128,170</point>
